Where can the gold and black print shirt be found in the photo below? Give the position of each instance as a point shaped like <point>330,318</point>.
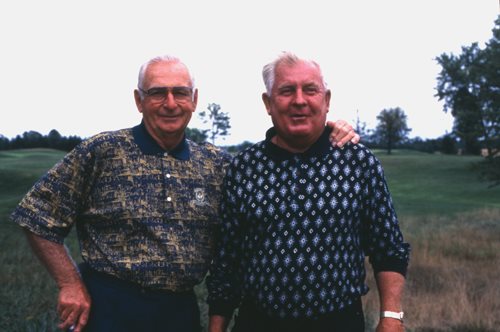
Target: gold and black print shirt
<point>141,214</point>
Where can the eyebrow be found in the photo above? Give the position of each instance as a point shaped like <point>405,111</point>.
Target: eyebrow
<point>293,85</point>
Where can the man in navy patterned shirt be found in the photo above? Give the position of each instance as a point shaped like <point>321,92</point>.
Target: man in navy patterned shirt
<point>299,216</point>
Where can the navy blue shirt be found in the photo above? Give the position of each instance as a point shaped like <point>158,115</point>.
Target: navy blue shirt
<point>296,229</point>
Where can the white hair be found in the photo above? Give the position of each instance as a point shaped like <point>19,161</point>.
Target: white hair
<point>162,58</point>
<point>287,58</point>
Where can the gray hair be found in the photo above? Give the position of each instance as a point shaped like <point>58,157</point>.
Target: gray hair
<point>158,59</point>
<point>286,58</point>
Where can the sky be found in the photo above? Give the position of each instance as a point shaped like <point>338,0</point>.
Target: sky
<point>72,66</point>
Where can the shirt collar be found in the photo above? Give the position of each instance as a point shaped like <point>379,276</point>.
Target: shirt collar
<point>317,149</point>
<point>148,145</point>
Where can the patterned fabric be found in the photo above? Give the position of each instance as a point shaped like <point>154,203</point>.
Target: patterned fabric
<point>141,214</point>
<point>296,229</point>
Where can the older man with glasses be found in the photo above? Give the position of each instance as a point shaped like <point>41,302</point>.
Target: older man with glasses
<point>145,202</point>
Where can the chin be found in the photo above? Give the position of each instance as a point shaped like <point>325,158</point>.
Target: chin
<point>300,132</point>
<point>169,129</point>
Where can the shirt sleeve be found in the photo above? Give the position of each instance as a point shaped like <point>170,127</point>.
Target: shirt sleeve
<point>382,237</point>
<point>51,206</point>
<point>224,279</point>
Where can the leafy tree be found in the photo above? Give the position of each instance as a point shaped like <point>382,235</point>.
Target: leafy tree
<point>4,142</point>
<point>392,127</point>
<point>448,144</point>
<point>196,135</point>
<point>34,139</point>
<point>469,85</point>
<point>54,139</point>
<point>234,149</point>
<point>218,121</point>
<point>69,143</point>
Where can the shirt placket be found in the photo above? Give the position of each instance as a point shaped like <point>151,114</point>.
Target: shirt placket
<point>299,184</point>
<point>168,180</point>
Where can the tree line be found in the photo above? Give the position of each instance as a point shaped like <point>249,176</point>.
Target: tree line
<point>33,139</point>
<point>217,121</point>
<point>392,132</point>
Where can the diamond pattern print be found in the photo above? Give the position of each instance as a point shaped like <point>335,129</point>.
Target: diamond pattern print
<point>297,230</point>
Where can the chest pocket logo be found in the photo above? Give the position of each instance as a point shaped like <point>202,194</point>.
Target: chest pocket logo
<point>199,197</point>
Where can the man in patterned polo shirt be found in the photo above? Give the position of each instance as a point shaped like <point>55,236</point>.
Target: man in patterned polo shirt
<point>145,201</point>
<point>299,216</point>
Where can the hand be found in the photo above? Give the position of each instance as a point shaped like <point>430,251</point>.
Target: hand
<point>390,325</point>
<point>73,307</point>
<point>342,133</point>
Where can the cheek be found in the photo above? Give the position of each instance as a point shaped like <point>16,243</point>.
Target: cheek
<point>188,113</point>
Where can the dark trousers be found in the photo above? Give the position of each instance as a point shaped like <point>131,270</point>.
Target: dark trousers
<point>118,305</point>
<point>350,319</point>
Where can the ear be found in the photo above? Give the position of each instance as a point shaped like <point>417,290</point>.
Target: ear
<point>267,102</point>
<point>328,96</point>
<point>195,99</point>
<point>138,100</point>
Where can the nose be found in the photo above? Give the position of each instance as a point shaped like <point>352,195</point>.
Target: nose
<point>170,100</point>
<point>299,97</point>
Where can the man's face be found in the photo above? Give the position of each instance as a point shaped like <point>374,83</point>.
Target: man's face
<point>299,102</point>
<point>166,115</point>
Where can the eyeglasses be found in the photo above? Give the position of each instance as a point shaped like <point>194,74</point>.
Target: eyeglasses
<point>181,94</point>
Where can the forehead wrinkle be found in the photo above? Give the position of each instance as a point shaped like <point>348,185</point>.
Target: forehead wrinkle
<point>167,74</point>
<point>295,77</point>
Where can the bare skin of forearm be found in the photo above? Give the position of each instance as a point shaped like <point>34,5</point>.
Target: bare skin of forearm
<point>74,301</point>
<point>55,258</point>
<point>390,289</point>
<point>217,323</point>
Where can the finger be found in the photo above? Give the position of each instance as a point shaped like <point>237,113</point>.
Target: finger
<point>82,321</point>
<point>347,128</point>
<point>340,123</point>
<point>345,131</point>
<point>334,133</point>
<point>64,312</point>
<point>346,139</point>
<point>69,321</point>
<point>355,139</point>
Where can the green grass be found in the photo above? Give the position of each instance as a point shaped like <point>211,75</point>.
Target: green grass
<point>19,169</point>
<point>433,184</point>
<point>429,191</point>
<point>27,295</point>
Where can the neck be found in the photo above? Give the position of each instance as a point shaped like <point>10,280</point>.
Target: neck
<point>168,143</point>
<point>295,145</point>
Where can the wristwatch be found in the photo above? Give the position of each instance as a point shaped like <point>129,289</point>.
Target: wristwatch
<point>392,314</point>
